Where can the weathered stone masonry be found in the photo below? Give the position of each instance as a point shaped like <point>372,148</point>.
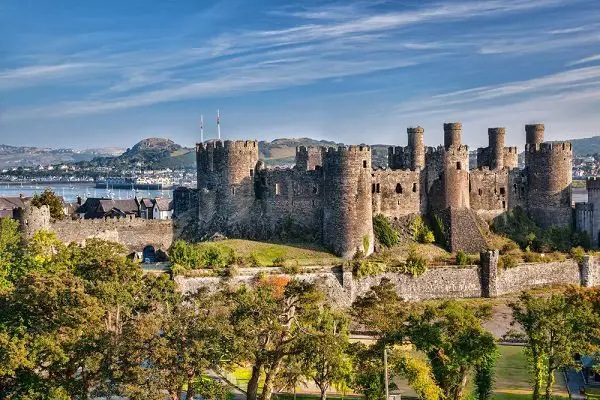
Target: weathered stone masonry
<point>332,193</point>
<point>472,281</point>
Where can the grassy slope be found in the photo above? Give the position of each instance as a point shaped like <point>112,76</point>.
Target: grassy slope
<point>305,253</point>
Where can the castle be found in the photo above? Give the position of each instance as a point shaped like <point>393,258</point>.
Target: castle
<point>331,194</point>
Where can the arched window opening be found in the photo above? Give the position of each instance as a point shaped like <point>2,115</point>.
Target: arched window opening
<point>398,188</point>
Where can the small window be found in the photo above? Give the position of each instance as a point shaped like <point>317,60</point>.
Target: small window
<point>315,189</point>
<point>398,188</point>
<point>364,163</point>
<point>377,189</point>
<point>373,188</point>
<point>480,192</point>
<point>251,173</point>
<point>502,190</point>
<point>504,204</point>
<point>277,189</point>
<point>233,190</point>
<point>458,165</point>
<point>414,188</point>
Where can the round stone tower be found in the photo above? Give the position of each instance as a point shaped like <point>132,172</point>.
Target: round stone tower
<point>496,147</point>
<point>416,144</point>
<point>347,214</point>
<point>534,133</point>
<point>33,219</point>
<point>456,177</point>
<point>549,175</point>
<point>452,134</point>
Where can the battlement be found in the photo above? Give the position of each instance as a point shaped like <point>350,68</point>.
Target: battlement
<point>593,182</point>
<point>227,144</point>
<point>583,207</point>
<point>353,148</point>
<point>452,126</point>
<point>534,133</point>
<point>511,150</point>
<point>496,131</point>
<point>416,129</point>
<point>549,147</point>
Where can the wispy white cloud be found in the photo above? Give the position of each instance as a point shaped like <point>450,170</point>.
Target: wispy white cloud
<point>585,60</point>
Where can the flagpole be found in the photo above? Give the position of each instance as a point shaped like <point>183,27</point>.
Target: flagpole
<point>201,128</point>
<point>218,126</point>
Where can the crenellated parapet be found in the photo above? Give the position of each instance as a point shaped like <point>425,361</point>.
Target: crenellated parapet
<point>308,158</point>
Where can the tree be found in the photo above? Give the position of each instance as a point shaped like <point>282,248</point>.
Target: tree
<point>454,341</point>
<point>266,318</point>
<point>323,350</point>
<point>54,203</point>
<point>10,251</point>
<point>556,328</point>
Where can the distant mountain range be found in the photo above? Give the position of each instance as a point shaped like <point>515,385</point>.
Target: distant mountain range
<point>164,153</point>
<point>15,156</point>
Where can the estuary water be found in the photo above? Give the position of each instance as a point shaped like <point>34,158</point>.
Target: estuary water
<point>70,191</point>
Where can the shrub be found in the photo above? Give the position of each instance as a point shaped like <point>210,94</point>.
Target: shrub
<point>291,269</point>
<point>462,258</point>
<point>217,257</point>
<point>363,268</point>
<point>253,262</point>
<point>578,254</point>
<point>508,261</point>
<point>531,257</point>
<point>415,264</point>
<point>439,230</point>
<point>279,262</point>
<point>385,234</point>
<point>420,231</point>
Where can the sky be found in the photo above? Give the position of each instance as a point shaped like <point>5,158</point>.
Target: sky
<point>85,74</point>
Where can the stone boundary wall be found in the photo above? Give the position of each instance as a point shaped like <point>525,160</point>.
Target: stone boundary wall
<point>135,233</point>
<point>470,281</point>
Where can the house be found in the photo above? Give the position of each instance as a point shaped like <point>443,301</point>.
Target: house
<point>9,204</point>
<point>109,208</point>
<point>590,370</point>
<point>163,209</point>
<point>146,208</point>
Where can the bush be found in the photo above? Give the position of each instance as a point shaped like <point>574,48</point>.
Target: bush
<point>279,262</point>
<point>508,261</point>
<point>578,254</point>
<point>415,264</point>
<point>531,257</point>
<point>253,261</point>
<point>291,269</point>
<point>54,203</point>
<point>420,231</point>
<point>201,255</point>
<point>363,268</point>
<point>462,258</point>
<point>385,234</point>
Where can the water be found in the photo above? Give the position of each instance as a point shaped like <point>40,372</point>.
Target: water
<point>70,191</point>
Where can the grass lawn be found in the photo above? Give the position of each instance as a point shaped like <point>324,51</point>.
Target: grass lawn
<point>305,254</point>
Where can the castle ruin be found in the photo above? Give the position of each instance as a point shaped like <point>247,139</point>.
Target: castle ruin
<point>331,194</point>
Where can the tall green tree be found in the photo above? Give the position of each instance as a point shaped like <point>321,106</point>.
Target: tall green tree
<point>266,318</point>
<point>10,251</point>
<point>54,203</point>
<point>324,350</point>
<point>556,327</point>
<point>453,339</point>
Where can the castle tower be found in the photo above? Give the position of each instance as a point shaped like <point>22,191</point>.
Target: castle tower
<point>347,213</point>
<point>416,144</point>
<point>496,147</point>
<point>593,189</point>
<point>456,168</point>
<point>452,134</point>
<point>308,158</point>
<point>549,176</point>
<point>534,133</point>
<point>33,219</point>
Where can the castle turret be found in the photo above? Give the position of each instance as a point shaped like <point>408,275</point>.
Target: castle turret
<point>308,158</point>
<point>416,144</point>
<point>496,147</point>
<point>33,219</point>
<point>347,212</point>
<point>549,176</point>
<point>456,168</point>
<point>452,134</point>
<point>534,133</point>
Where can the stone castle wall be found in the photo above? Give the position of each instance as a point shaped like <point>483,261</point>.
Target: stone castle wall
<point>397,193</point>
<point>135,233</point>
<point>488,191</point>
<point>436,283</point>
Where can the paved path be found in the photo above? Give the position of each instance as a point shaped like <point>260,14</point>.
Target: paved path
<point>575,384</point>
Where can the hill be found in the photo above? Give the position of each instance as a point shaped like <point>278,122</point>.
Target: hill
<point>27,156</point>
<point>586,146</point>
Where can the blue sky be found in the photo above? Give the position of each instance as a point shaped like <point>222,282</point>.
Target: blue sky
<point>108,73</point>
